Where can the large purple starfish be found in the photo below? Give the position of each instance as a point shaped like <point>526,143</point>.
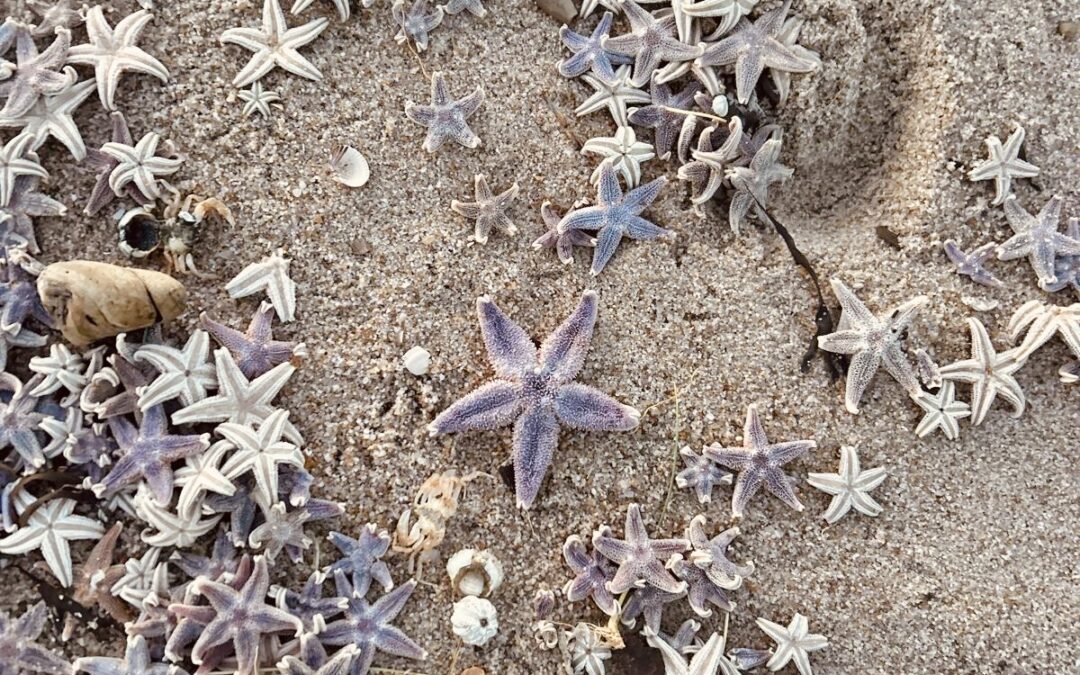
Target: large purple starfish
<point>535,391</point>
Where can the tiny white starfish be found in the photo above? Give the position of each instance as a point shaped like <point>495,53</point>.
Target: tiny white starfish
<point>261,452</point>
<point>792,643</point>
<point>726,12</point>
<point>239,400</point>
<point>589,6</point>
<point>63,368</point>
<point>173,529</point>
<point>989,374</point>
<point>942,411</point>
<point>51,116</point>
<point>850,487</point>
<point>202,474</point>
<point>342,7</point>
<point>138,577</point>
<point>113,51</point>
<point>275,45</point>
<point>49,529</point>
<point>139,165</point>
<point>271,274</point>
<point>1041,321</point>
<point>185,374</point>
<point>17,159</point>
<point>614,95</point>
<point>259,100</point>
<point>1004,164</point>
<point>625,151</point>
<point>709,659</point>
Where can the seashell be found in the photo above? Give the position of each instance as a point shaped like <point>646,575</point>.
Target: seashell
<point>140,233</point>
<point>544,604</point>
<point>350,167</point>
<point>474,620</point>
<point>472,572</point>
<point>417,360</point>
<point>89,300</point>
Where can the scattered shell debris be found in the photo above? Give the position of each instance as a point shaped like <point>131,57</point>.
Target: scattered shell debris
<point>417,360</point>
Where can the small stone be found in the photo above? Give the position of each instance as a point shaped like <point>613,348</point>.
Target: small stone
<point>474,670</point>
<point>560,10</point>
<point>979,304</point>
<point>417,360</point>
<point>1069,29</point>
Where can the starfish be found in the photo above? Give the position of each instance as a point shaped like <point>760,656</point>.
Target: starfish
<point>589,54</point>
<point>113,390</point>
<point>710,555</point>
<point>172,529</point>
<point>202,474</point>
<point>701,590</point>
<point>136,661</point>
<point>17,159</point>
<point>649,41</point>
<point>789,37</point>
<point>139,165</point>
<point>25,204</point>
<point>261,452</point>
<point>139,575</point>
<point>187,617</point>
<point>649,603</point>
<point>23,338</point>
<point>308,604</point>
<point>1070,372</point>
<point>35,75</point>
<point>661,115</point>
<point>614,94</point>
<point>592,572</point>
<point>368,626</point>
<point>563,243</point>
<point>973,264</point>
<point>1037,237</point>
<point>705,177</point>
<point>753,47</point>
<point>64,370</point>
<point>112,52</point>
<point>872,341</point>
<point>624,151</point>
<point>183,374</point>
<point>362,558</point>
<point>416,23</point>
<point>242,508</point>
<point>50,115</point>
<point>18,291</point>
<point>255,350</point>
<point>726,12</point>
<point>18,644</point>
<point>284,530</point>
<point>640,559</point>
<point>272,275</point>
<point>55,14</point>
<point>850,487</point>
<point>241,616</point>
<point>589,6</point>
<point>535,391</point>
<point>20,419</point>
<point>148,454</point>
<point>474,7</point>
<point>446,118</point>
<point>709,660</point>
<point>759,463</point>
<point>258,99</point>
<point>701,474</point>
<point>1003,165</point>
<point>92,578</point>
<point>488,211</point>
<point>49,529</point>
<point>1066,267</point>
<point>313,660</point>
<point>80,443</point>
<point>989,374</point>
<point>275,45</point>
<point>1041,320</point>
<point>751,183</point>
<point>616,216</point>
<point>104,164</point>
<point>792,643</point>
<point>943,411</point>
<point>342,7</point>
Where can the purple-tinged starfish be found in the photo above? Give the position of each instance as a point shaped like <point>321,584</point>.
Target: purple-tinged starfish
<point>705,177</point>
<point>36,74</point>
<point>148,454</point>
<point>535,391</point>
<point>18,291</point>
<point>309,605</point>
<point>489,211</point>
<point>1003,165</point>
<point>1067,267</point>
<point>362,558</point>
<point>25,204</point>
<point>284,530</point>
<point>17,159</point>
<point>242,508</point>
<point>104,165</point>
<point>701,474</point>
<point>136,661</point>
<point>367,626</point>
<point>241,616</point>
<point>20,420</point>
<point>18,644</point>
<point>589,54</point>
<point>55,14</point>
<point>1037,237</point>
<point>188,615</point>
<point>563,243</point>
<point>701,589</point>
<point>616,216</point>
<point>871,341</point>
<point>113,391</point>
<point>649,603</point>
<point>474,7</point>
<point>649,41</point>
<point>313,660</point>
<point>592,572</point>
<point>759,464</point>
<point>751,183</point>
<point>661,115</point>
<point>753,47</point>
<point>989,374</point>
<point>640,559</point>
<point>416,23</point>
<point>255,350</point>
<point>973,264</point>
<point>221,561</point>
<point>710,555</point>
<point>80,442</point>
<point>446,118</point>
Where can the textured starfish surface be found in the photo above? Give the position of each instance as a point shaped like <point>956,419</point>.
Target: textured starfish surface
<point>871,341</point>
<point>63,369</point>
<point>535,391</point>
<point>17,159</point>
<point>1066,267</point>
<point>592,572</point>
<point>261,452</point>
<point>271,274</point>
<point>563,243</point>
<point>112,52</point>
<point>139,165</point>
<point>275,45</point>
<point>751,183</point>
<point>18,291</point>
<point>989,374</point>
<point>589,53</point>
<point>309,604</point>
<point>1038,239</point>
<point>17,216</point>
<point>705,177</point>
<point>446,117</point>
<point>850,487</point>
<point>104,164</point>
<point>615,95</point>
<point>973,264</point>
<point>624,151</point>
<point>489,211</point>
<point>793,643</point>
<point>649,41</point>
<point>49,529</point>
<point>1004,164</point>
<point>942,411</point>
<point>701,590</point>
<point>183,374</point>
<point>789,37</point>
<point>254,350</point>
<point>136,661</point>
<point>710,555</point>
<point>1041,321</point>
<point>200,475</point>
<point>701,475</point>
<point>18,644</point>
<point>640,559</point>
<point>474,7</point>
<point>709,660</point>
<point>51,115</point>
<point>726,12</point>
<point>759,463</point>
<point>416,23</point>
<point>92,578</point>
<point>20,420</point>
<point>661,115</point>
<point>361,558</point>
<point>616,216</point>
<point>313,660</point>
<point>648,603</point>
<point>35,75</point>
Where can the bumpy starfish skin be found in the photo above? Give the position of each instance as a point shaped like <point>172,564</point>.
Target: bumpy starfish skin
<point>973,264</point>
<point>139,165</point>
<point>701,474</point>
<point>20,419</point>
<point>563,243</point>
<point>615,95</point>
<point>710,555</point>
<point>751,183</point>
<point>362,558</point>
<point>136,661</point>
<point>649,41</point>
<point>648,603</point>
<point>50,529</point>
<point>313,660</point>
<point>183,374</point>
<point>474,7</point>
<point>705,177</point>
<point>535,391</point>
<point>625,152</point>
<point>1038,239</point>
<point>416,23</point>
<point>989,374</point>
<point>308,604</point>
<point>660,115</point>
<point>701,590</point>
<point>589,54</point>
<point>25,204</point>
<point>255,350</point>
<point>592,573</point>
<point>489,211</point>
<point>17,159</point>
<point>35,74</point>
<point>849,487</point>
<point>18,291</point>
<point>112,52</point>
<point>275,45</point>
<point>640,559</point>
<point>1004,164</point>
<point>51,115</point>
<point>18,644</point>
<point>446,118</point>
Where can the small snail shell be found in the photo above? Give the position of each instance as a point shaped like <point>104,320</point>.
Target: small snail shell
<point>474,572</point>
<point>89,301</point>
<point>474,620</point>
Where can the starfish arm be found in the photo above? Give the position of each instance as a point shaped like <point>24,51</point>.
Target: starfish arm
<point>777,483</point>
<point>490,406</point>
<point>536,435</point>
<point>563,353</point>
<point>1017,246</point>
<point>746,486</point>
<point>861,371</point>
<point>827,482</point>
<point>471,103</point>
<point>639,228</point>
<point>392,640</point>
<point>865,504</point>
<point>638,199</point>
<point>509,347</point>
<point>607,241</point>
<point>723,53</point>
<point>582,407</point>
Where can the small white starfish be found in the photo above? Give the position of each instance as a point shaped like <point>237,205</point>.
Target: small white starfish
<point>259,100</point>
<point>173,529</point>
<point>1041,320</point>
<point>63,368</point>
<point>850,487</point>
<point>275,45</point>
<point>708,660</point>
<point>342,7</point>
<point>17,159</point>
<point>792,643</point>
<point>185,374</point>
<point>49,529</point>
<point>51,116</point>
<point>261,452</point>
<point>726,12</point>
<point>942,411</point>
<point>272,275</point>
<point>113,51</point>
<point>139,165</point>
<point>138,578</point>
<point>615,95</point>
<point>625,151</point>
<point>202,474</point>
<point>1038,239</point>
<point>989,374</point>
<point>1004,164</point>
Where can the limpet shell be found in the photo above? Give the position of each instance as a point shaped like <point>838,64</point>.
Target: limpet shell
<point>350,167</point>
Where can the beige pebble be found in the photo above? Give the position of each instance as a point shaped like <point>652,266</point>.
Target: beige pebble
<point>560,10</point>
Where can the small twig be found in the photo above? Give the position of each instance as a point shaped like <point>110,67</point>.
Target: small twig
<point>675,449</point>
<point>695,113</point>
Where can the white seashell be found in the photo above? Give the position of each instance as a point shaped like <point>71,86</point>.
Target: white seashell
<point>720,105</point>
<point>979,304</point>
<point>473,572</point>
<point>417,360</point>
<point>350,167</point>
<point>474,620</point>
